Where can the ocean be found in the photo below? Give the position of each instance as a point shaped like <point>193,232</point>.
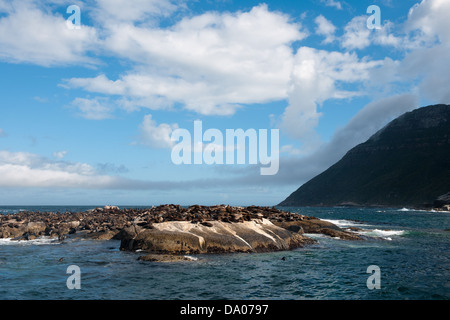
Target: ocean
<point>410,249</point>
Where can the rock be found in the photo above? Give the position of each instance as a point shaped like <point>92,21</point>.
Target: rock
<point>186,238</point>
<point>315,225</point>
<point>165,258</point>
<point>35,227</point>
<point>327,228</point>
<point>293,226</point>
<point>207,224</point>
<point>343,235</point>
<point>111,208</point>
<point>126,236</point>
<point>8,232</point>
<point>162,241</point>
<point>102,235</point>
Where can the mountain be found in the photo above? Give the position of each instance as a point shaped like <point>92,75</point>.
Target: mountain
<point>407,163</point>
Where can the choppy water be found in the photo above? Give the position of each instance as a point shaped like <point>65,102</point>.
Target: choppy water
<point>412,253</point>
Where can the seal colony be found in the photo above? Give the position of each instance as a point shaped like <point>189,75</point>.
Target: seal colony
<point>171,230</point>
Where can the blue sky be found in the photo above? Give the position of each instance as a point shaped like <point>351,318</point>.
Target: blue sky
<point>86,114</point>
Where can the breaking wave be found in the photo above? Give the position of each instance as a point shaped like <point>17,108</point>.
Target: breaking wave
<point>346,223</point>
<point>38,241</point>
<point>385,234</point>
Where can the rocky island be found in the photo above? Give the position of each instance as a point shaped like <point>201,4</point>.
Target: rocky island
<point>171,230</point>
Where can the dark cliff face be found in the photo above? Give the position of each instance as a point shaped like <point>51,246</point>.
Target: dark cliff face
<point>407,163</point>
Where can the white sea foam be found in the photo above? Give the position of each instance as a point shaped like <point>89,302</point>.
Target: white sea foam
<point>385,234</point>
<point>38,241</point>
<point>345,223</point>
<point>417,210</point>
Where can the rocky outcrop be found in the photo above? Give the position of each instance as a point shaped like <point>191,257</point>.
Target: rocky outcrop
<point>314,225</point>
<point>182,237</point>
<point>174,230</point>
<point>30,225</point>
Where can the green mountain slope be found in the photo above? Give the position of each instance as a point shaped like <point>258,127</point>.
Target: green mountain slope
<point>407,163</point>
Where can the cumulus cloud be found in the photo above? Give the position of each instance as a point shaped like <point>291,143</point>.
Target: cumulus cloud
<point>154,135</point>
<point>211,63</point>
<point>98,108</point>
<point>316,77</point>
<point>325,28</point>
<point>430,17</point>
<point>356,34</point>
<point>332,3</point>
<point>27,170</point>
<point>117,11</point>
<point>22,169</point>
<point>427,61</point>
<point>30,34</point>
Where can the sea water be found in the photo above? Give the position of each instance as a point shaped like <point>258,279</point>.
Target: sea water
<point>411,249</point>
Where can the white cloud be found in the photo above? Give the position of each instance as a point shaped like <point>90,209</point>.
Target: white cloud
<point>316,77</point>
<point>21,169</point>
<point>27,170</point>
<point>59,154</point>
<point>430,17</point>
<point>28,34</point>
<point>2,133</point>
<point>93,109</point>
<point>154,135</point>
<point>211,63</point>
<point>332,3</point>
<point>427,62</point>
<point>325,28</point>
<point>98,84</point>
<point>116,11</point>
<point>357,35</point>
<point>34,161</point>
<point>22,176</point>
<point>427,25</point>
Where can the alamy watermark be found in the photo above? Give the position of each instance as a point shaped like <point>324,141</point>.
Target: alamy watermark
<point>374,281</point>
<point>217,151</point>
<point>74,21</point>
<point>74,280</point>
<point>374,21</point>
